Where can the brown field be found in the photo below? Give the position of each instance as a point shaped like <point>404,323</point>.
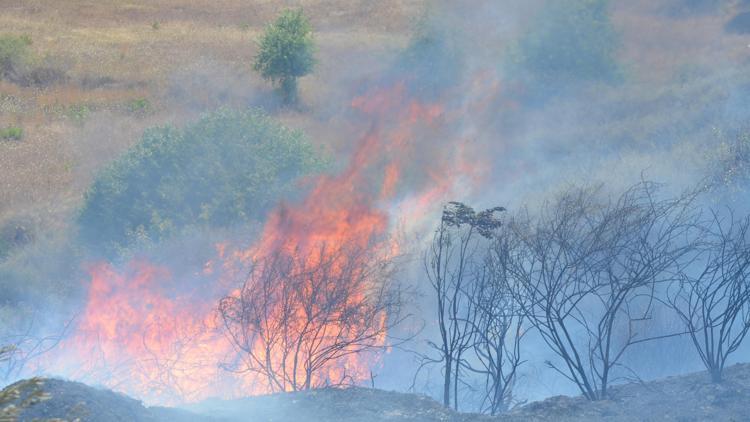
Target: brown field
<point>118,52</point>
<point>183,57</point>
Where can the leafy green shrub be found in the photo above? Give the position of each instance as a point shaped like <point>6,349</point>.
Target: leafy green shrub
<point>12,133</point>
<point>14,56</point>
<point>286,53</point>
<point>432,60</point>
<point>20,66</point>
<point>228,168</point>
<point>570,41</point>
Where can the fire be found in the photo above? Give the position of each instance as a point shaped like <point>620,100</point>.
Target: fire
<point>144,332</point>
<point>150,335</point>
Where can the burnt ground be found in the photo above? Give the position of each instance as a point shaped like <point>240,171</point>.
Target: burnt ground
<point>352,404</point>
<point>681,398</point>
<point>684,398</point>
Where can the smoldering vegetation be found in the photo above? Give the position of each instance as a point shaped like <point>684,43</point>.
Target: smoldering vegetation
<point>606,140</point>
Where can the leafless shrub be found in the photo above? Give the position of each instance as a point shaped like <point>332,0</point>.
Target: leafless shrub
<point>478,330</point>
<point>587,271</point>
<point>299,316</point>
<point>498,326</point>
<point>712,296</point>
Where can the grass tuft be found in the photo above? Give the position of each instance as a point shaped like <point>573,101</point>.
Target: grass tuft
<point>11,133</point>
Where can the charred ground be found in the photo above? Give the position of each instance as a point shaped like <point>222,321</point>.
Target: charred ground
<point>681,398</point>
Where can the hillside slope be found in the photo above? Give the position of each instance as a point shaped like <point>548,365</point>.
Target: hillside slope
<point>681,398</point>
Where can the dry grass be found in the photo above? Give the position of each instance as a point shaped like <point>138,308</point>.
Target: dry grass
<point>116,52</point>
<point>187,56</point>
<point>659,46</point>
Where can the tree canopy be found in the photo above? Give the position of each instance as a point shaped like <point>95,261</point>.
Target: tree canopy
<point>229,167</point>
<point>286,52</point>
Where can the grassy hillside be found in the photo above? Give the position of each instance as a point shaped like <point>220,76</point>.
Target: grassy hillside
<point>135,64</point>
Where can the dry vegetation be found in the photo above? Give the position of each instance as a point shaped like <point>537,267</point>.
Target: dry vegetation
<point>139,63</point>
<point>134,64</point>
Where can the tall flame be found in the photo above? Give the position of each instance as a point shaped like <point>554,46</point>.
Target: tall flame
<point>147,334</point>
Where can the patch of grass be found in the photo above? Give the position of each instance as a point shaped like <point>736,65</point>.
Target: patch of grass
<point>155,25</point>
<point>78,113</point>
<point>11,133</point>
<point>139,106</point>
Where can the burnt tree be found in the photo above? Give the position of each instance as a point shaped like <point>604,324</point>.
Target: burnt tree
<point>587,272</point>
<point>451,264</point>
<point>498,327</point>
<point>299,316</point>
<point>712,296</point>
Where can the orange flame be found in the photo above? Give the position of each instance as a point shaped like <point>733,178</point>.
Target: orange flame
<point>146,334</point>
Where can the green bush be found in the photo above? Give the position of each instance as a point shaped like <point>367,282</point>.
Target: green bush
<point>20,66</point>
<point>12,133</point>
<point>286,53</point>
<point>14,56</point>
<point>432,60</point>
<point>570,41</point>
<point>228,168</point>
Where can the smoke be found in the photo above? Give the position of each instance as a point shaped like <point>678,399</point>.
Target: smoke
<point>421,121</point>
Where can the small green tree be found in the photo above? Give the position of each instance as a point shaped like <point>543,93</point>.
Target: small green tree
<point>286,53</point>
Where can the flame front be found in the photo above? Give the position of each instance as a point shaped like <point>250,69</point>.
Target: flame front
<point>150,335</point>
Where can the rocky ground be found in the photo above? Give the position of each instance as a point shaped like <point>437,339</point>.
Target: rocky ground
<point>681,398</point>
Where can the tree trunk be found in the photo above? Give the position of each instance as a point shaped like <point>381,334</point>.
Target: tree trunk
<point>447,381</point>
<point>715,374</point>
<point>288,90</point>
